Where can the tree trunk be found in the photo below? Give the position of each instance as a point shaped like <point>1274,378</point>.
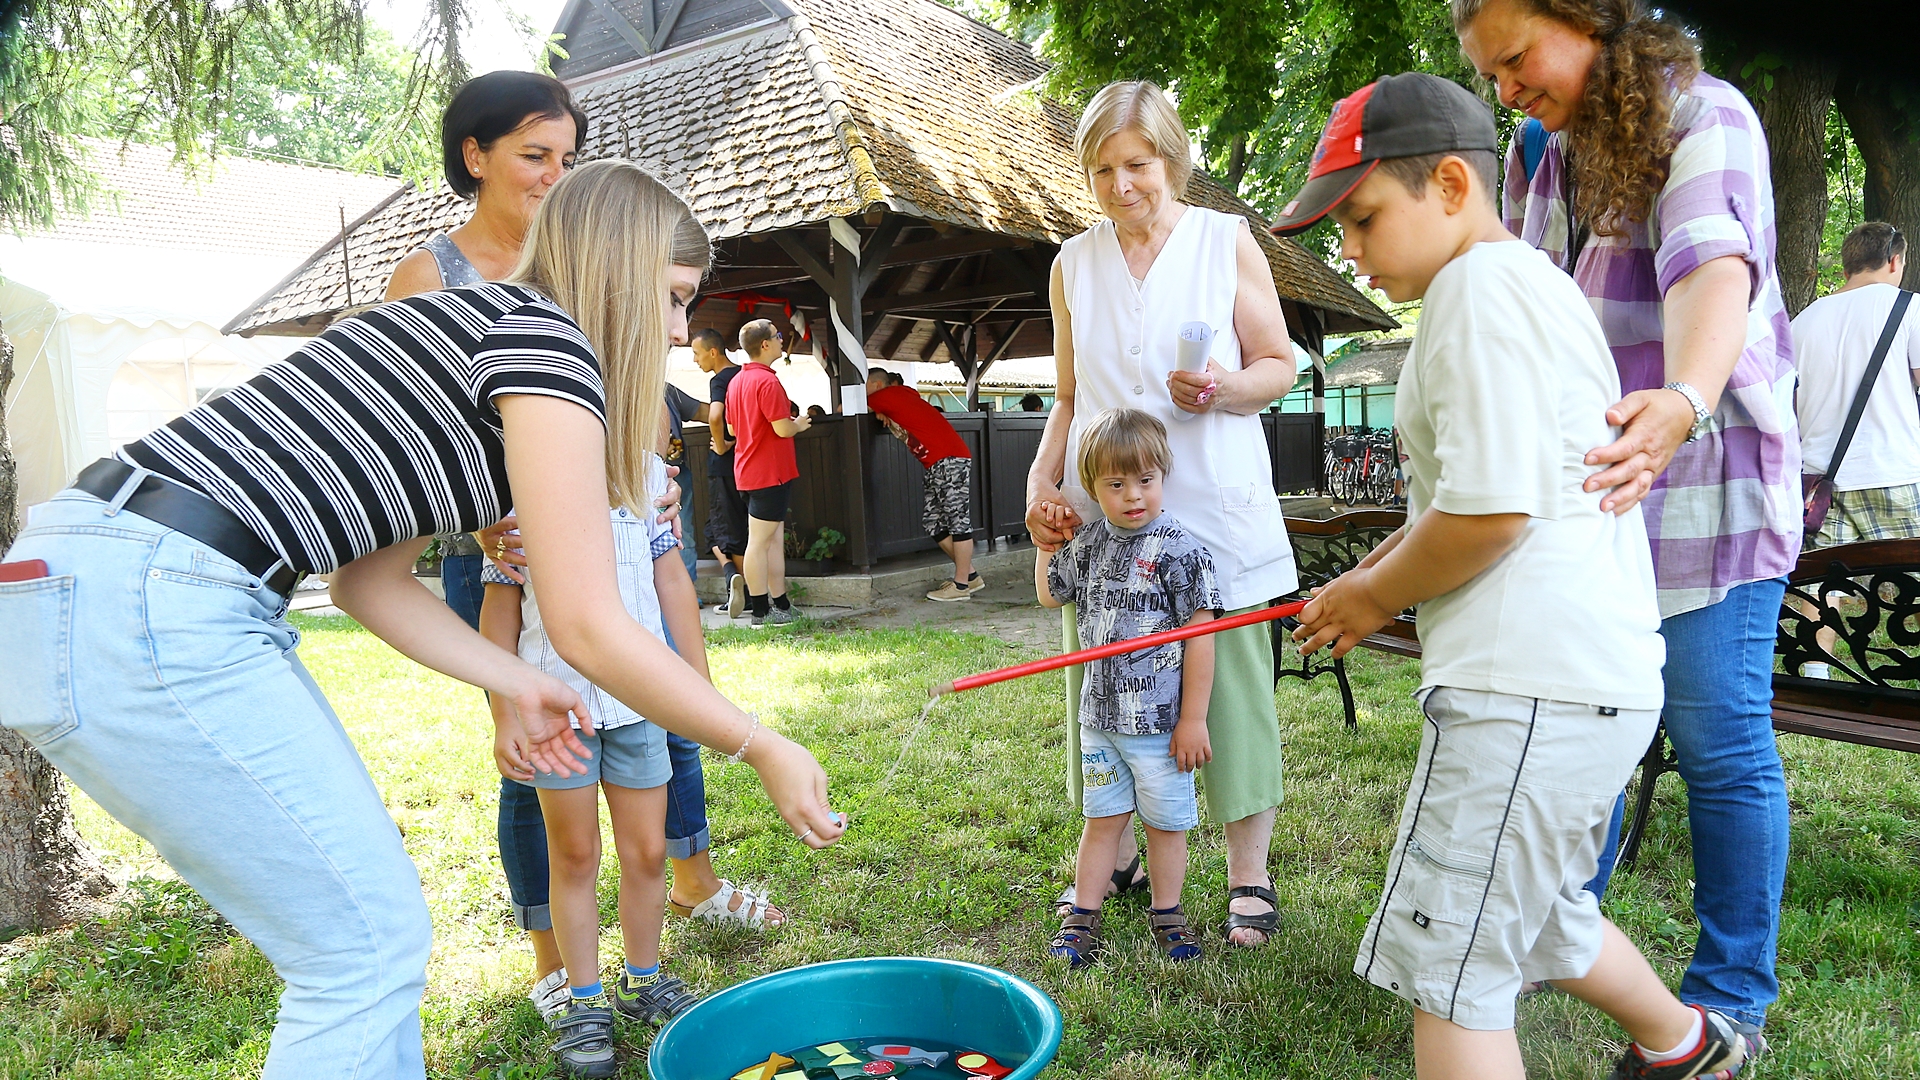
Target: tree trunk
<point>48,876</point>
<point>1889,139</point>
<point>1793,110</point>
<point>1237,164</point>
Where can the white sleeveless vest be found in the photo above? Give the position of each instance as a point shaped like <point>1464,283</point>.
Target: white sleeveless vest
<point>1124,341</point>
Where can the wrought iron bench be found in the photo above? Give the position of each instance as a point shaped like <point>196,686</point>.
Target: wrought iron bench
<point>1873,698</point>
<point>1322,551</point>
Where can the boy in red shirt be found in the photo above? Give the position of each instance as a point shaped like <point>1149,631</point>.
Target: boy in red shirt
<point>764,468</point>
<point>948,511</point>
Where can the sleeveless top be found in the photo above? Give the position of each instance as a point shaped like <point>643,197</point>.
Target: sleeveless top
<point>1124,340</point>
<point>455,269</point>
<point>382,429</point>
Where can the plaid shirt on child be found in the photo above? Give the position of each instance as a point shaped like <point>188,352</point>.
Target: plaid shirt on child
<point>1727,510</point>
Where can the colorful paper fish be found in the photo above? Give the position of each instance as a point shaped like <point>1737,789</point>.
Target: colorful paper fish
<point>975,1063</point>
<point>765,1070</point>
<point>908,1055</point>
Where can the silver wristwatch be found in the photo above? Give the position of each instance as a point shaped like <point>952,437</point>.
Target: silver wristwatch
<point>1702,416</point>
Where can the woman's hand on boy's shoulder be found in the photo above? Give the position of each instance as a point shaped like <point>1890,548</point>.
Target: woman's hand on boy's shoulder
<point>1341,614</point>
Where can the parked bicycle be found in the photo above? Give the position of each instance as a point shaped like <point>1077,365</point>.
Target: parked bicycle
<point>1364,467</point>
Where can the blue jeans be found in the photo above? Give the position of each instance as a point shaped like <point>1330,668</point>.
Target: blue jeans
<point>522,829</point>
<point>1719,714</point>
<point>460,580</point>
<point>162,678</point>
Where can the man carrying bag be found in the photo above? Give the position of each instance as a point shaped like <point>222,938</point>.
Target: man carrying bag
<point>1841,344</point>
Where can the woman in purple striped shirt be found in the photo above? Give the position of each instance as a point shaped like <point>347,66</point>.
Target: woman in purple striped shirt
<point>1653,192</point>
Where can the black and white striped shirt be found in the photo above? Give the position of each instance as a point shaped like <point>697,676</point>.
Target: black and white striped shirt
<point>382,429</point>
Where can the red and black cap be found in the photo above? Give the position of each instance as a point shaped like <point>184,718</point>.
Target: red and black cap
<point>1399,116</point>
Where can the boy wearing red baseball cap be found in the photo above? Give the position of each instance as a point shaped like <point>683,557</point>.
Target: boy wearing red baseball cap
<point>1540,674</point>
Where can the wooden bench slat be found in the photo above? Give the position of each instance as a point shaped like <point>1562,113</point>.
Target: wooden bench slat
<point>1842,727</point>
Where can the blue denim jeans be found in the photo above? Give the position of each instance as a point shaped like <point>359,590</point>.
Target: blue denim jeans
<point>162,678</point>
<point>460,580</point>
<point>522,829</point>
<point>1719,714</point>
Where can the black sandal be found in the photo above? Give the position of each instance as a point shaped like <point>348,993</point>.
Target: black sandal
<point>1266,922</point>
<point>1124,882</point>
<point>1078,940</point>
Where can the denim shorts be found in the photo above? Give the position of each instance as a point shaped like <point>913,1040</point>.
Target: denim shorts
<point>629,756</point>
<point>1136,774</point>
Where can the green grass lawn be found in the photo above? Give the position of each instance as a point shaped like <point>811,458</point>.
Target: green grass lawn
<point>957,857</point>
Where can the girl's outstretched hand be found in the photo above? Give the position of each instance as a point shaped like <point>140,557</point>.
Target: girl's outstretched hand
<point>542,705</point>
<point>798,787</point>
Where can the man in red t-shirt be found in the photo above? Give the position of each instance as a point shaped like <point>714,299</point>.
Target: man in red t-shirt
<point>947,514</point>
<point>764,468</point>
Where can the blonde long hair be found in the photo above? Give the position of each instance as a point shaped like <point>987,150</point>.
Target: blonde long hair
<point>600,246</point>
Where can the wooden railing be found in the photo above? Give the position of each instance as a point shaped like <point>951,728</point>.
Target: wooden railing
<point>860,481</point>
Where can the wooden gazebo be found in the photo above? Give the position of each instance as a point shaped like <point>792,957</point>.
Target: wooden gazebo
<point>881,172</point>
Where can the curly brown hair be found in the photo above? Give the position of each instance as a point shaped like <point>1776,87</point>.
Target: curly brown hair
<point>1620,140</point>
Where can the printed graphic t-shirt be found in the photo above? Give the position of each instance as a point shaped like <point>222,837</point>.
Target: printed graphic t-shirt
<point>1126,583</point>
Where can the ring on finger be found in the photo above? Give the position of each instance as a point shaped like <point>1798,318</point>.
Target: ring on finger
<point>803,836</point>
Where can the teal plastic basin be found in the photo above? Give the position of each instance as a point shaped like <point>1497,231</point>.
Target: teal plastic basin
<point>947,1001</point>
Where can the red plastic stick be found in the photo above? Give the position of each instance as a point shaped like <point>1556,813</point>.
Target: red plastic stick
<point>1115,648</point>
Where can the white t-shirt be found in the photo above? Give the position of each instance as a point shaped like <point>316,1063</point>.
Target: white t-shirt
<point>1832,341</point>
<point>1503,393</point>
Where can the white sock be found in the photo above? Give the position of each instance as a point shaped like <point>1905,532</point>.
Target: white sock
<point>1816,670</point>
<point>1687,1045</point>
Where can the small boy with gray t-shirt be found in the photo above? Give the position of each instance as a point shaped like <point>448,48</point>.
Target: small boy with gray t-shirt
<point>1143,715</point>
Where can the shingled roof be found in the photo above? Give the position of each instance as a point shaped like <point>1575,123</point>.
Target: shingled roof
<point>237,204</point>
<point>845,108</point>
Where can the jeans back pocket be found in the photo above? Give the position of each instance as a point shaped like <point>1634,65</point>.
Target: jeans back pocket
<point>36,659</point>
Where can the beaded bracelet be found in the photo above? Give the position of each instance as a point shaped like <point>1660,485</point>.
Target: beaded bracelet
<point>751,732</point>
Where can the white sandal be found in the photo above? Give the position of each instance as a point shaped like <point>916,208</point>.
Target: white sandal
<point>719,910</point>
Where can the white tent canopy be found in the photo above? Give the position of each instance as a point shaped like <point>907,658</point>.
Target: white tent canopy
<point>83,384</point>
<point>115,317</point>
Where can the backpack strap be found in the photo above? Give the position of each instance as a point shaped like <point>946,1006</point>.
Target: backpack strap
<point>1533,145</point>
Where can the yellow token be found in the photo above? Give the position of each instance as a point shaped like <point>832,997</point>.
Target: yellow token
<point>969,1060</point>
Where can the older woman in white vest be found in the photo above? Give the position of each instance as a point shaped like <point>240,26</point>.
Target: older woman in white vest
<point>1120,293</point>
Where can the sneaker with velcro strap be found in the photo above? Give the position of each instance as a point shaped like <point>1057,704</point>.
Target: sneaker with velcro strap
<point>1722,1051</point>
<point>653,1000</point>
<point>585,1046</point>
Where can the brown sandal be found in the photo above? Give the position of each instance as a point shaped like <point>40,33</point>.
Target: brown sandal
<point>1078,939</point>
<point>1177,940</point>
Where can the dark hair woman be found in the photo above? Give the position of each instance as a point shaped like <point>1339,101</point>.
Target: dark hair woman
<point>1653,192</point>
<point>507,138</point>
<point>144,647</point>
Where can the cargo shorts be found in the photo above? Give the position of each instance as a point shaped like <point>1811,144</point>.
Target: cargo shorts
<point>1501,831</point>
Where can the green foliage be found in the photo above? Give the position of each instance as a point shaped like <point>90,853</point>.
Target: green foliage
<point>289,98</point>
<point>1254,78</point>
<point>1846,199</point>
<point>826,545</point>
<point>201,76</point>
